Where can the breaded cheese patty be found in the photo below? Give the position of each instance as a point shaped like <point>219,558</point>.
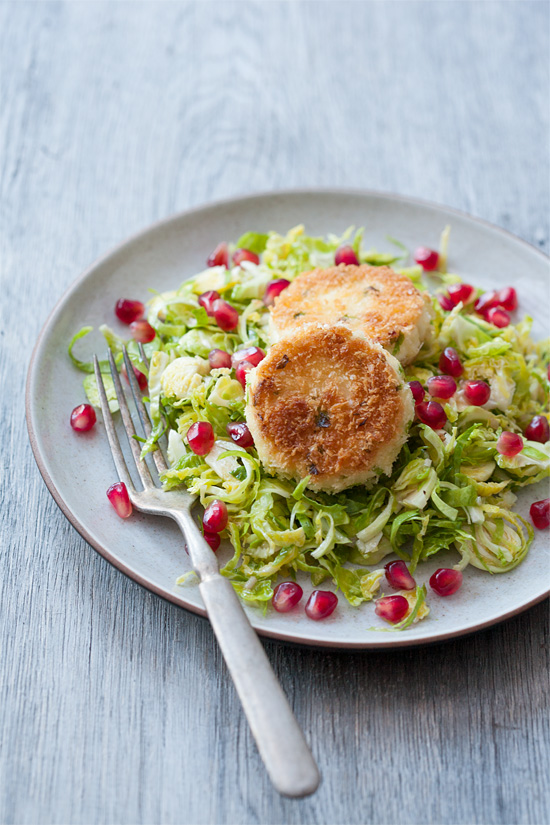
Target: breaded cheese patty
<point>373,301</point>
<point>328,404</point>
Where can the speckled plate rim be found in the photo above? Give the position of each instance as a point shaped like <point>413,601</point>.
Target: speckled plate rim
<point>391,643</point>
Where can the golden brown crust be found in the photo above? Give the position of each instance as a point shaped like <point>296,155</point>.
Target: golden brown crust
<point>372,301</point>
<point>327,403</point>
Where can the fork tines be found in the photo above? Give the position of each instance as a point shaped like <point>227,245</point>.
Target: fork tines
<point>118,457</point>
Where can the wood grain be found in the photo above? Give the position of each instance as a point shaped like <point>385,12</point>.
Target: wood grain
<point>116,707</point>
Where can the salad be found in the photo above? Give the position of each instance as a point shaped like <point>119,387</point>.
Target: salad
<point>480,432</point>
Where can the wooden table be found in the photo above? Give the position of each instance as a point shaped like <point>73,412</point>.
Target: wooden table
<point>116,707</point>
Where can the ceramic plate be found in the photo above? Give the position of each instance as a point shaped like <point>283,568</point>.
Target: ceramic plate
<point>78,468</point>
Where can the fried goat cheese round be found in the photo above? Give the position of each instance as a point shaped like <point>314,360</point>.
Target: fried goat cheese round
<point>373,301</point>
<point>328,404</point>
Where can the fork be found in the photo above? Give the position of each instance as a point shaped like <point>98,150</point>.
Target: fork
<point>280,741</point>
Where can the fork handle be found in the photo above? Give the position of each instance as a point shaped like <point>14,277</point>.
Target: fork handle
<point>280,741</point>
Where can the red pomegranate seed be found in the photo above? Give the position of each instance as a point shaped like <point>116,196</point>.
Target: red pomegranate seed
<point>141,378</point>
<point>219,257</point>
<point>226,316</point>
<point>286,596</point>
<point>445,302</point>
<point>128,311</point>
<point>252,354</point>
<point>449,362</point>
<point>240,372</point>
<point>398,576</point>
<point>346,255</point>
<point>207,300</point>
<point>200,436</point>
<point>240,434</point>
<point>446,581</point>
<point>509,444</point>
<point>241,255</point>
<point>461,292</point>
<point>548,372</point>
<point>215,517</point>
<point>498,317</point>
<point>213,539</point>
<point>441,386</point>
<point>219,359</point>
<point>538,429</point>
<point>477,392</point>
<point>508,298</point>
<point>427,258</point>
<point>273,290</point>
<point>486,301</point>
<point>540,514</point>
<point>321,604</point>
<point>119,498</point>
<point>418,391</point>
<point>432,414</point>
<point>142,331</point>
<point>392,608</point>
<point>83,418</point>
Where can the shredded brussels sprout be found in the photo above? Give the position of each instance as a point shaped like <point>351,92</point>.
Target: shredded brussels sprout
<point>448,488</point>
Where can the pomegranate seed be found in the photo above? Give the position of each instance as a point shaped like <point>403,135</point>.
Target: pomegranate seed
<point>540,513</point>
<point>219,257</point>
<point>486,301</point>
<point>432,414</point>
<point>219,359</point>
<point>119,498</point>
<point>240,434</point>
<point>226,316</point>
<point>142,331</point>
<point>446,581</point>
<point>418,391</point>
<point>240,372</point>
<point>241,255</point>
<point>286,596</point>
<point>427,258</point>
<point>445,302</point>
<point>449,362</point>
<point>200,437</point>
<point>441,386</point>
<point>321,604</point>
<point>213,539</point>
<point>83,418</point>
<point>392,608</point>
<point>508,298</point>
<point>398,576</point>
<point>207,300</point>
<point>128,311</point>
<point>498,317</point>
<point>215,517</point>
<point>509,444</point>
<point>273,290</point>
<point>548,372</point>
<point>141,378</point>
<point>538,429</point>
<point>477,392</point>
<point>252,354</point>
<point>346,255</point>
<point>461,292</point>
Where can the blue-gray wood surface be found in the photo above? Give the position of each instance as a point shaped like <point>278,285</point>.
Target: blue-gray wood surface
<point>114,706</point>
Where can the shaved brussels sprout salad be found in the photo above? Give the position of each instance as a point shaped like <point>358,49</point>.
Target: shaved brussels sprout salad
<point>450,488</point>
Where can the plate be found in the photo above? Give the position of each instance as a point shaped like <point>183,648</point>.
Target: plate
<point>78,468</point>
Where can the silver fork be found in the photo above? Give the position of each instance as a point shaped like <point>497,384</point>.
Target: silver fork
<point>280,741</point>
